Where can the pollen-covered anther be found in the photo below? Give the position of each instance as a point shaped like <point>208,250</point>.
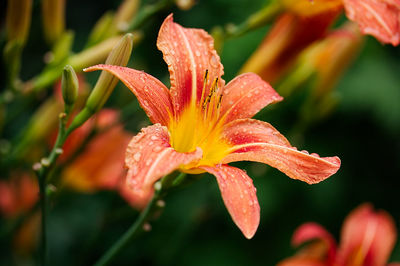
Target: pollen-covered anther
<point>212,101</point>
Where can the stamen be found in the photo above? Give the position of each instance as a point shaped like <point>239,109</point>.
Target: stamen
<point>203,92</point>
<point>206,76</point>
<point>219,101</point>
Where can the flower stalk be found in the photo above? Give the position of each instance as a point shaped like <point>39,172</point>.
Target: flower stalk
<point>105,85</point>
<point>160,190</point>
<point>255,21</point>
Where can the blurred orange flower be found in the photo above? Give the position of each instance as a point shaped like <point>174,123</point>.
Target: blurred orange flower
<point>379,18</point>
<point>289,35</point>
<point>18,194</point>
<point>367,239</point>
<point>100,165</point>
<point>203,124</point>
<point>306,21</point>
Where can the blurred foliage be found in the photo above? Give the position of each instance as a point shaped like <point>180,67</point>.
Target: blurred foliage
<point>195,228</point>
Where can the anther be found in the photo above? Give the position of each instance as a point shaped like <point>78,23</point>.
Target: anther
<point>206,76</point>
<point>219,101</point>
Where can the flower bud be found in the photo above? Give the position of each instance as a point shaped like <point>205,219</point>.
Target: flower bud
<point>18,20</point>
<point>98,53</point>
<point>111,24</point>
<point>12,59</point>
<point>62,48</point>
<point>185,4</point>
<point>320,67</point>
<point>69,85</point>
<point>126,11</point>
<point>119,56</point>
<point>53,19</point>
<point>106,83</point>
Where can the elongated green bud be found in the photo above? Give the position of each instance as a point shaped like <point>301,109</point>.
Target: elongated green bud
<point>53,12</point>
<point>69,86</point>
<point>98,53</point>
<point>185,4</point>
<point>62,48</point>
<point>18,20</point>
<point>126,11</point>
<point>119,56</point>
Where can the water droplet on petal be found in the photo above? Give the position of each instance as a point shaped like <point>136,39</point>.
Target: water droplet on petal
<point>137,156</point>
<point>134,169</point>
<point>214,61</point>
<point>157,148</point>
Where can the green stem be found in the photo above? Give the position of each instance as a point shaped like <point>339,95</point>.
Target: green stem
<point>43,203</point>
<point>124,240</point>
<point>255,21</point>
<point>43,172</point>
<point>161,187</point>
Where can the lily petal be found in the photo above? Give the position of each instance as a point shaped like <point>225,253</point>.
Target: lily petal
<point>100,165</point>
<point>258,141</point>
<point>239,196</point>
<point>137,199</point>
<point>380,18</point>
<point>367,238</point>
<point>151,93</point>
<point>313,231</point>
<point>150,156</point>
<point>188,53</point>
<point>300,261</point>
<point>245,96</point>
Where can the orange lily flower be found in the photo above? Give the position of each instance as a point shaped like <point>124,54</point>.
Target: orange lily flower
<point>201,124</point>
<point>18,195</point>
<point>100,165</point>
<point>288,37</point>
<point>379,18</point>
<point>367,239</point>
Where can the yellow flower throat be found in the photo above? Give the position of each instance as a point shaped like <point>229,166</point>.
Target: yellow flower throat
<point>200,125</point>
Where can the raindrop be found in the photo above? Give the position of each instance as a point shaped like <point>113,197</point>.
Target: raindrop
<point>157,148</point>
<point>134,169</point>
<point>137,156</point>
<point>153,137</point>
<point>214,61</point>
<point>142,77</point>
